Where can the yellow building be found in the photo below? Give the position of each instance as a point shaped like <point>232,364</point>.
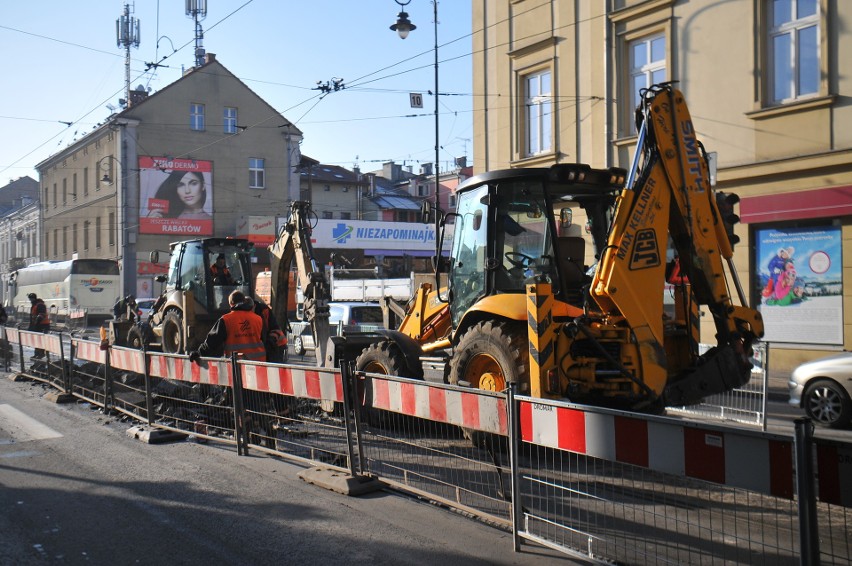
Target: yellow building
<point>768,88</point>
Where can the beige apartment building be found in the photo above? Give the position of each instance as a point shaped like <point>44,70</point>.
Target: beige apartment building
<point>114,193</point>
<point>768,88</point>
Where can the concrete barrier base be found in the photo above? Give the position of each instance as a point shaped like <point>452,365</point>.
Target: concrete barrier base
<point>341,482</point>
<point>154,435</point>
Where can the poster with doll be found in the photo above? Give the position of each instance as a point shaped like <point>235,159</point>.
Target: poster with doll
<point>799,281</point>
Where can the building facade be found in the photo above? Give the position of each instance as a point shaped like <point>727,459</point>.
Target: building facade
<point>19,229</point>
<point>768,89</point>
<point>192,160</point>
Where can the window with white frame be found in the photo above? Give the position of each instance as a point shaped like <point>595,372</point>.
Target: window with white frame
<point>229,120</point>
<point>647,65</point>
<point>793,49</point>
<point>196,117</point>
<point>257,175</point>
<point>538,114</point>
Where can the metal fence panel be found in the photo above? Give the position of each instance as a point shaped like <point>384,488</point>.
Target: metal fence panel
<point>193,398</point>
<point>438,440</point>
<point>746,404</point>
<point>285,416</point>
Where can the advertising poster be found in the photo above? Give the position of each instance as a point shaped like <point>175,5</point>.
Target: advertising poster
<point>175,196</point>
<point>800,285</point>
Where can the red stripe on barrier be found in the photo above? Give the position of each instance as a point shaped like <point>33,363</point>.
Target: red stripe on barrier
<point>828,473</point>
<point>195,370</point>
<point>526,422</point>
<point>312,385</point>
<point>470,410</point>
<point>179,373</point>
<point>704,454</point>
<point>572,430</point>
<point>503,415</point>
<point>631,441</point>
<point>286,378</point>
<point>261,377</point>
<point>781,468</point>
<point>438,404</point>
<point>338,385</point>
<point>408,398</point>
<point>381,394</point>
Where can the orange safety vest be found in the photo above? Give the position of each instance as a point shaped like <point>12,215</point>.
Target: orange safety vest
<point>214,269</point>
<point>244,335</point>
<point>34,313</point>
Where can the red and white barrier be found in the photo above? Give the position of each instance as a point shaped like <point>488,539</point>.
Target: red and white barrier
<point>89,351</point>
<point>753,461</point>
<point>127,359</point>
<point>209,372</point>
<point>12,335</point>
<point>303,383</point>
<point>474,409</point>
<point>49,342</point>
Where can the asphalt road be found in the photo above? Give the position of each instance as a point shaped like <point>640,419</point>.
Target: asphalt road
<point>76,489</point>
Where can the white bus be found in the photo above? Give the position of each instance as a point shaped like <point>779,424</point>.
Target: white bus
<point>68,288</point>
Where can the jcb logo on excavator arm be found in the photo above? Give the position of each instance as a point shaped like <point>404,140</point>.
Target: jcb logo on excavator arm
<point>645,251</point>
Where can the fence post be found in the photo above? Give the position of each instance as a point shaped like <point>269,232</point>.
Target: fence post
<point>109,401</point>
<point>240,432</point>
<point>149,400</point>
<point>347,376</point>
<point>808,527</point>
<point>66,368</point>
<point>765,362</point>
<point>21,353</point>
<point>514,447</point>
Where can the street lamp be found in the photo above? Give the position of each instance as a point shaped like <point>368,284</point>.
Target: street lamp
<point>402,27</point>
<point>121,235</point>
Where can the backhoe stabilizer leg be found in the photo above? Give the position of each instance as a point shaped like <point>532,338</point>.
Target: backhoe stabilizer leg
<point>719,370</point>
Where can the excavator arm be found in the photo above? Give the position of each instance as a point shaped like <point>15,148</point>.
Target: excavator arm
<point>668,195</point>
<point>294,241</point>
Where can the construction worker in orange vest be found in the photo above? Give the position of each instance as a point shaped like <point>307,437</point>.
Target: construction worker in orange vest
<point>238,331</point>
<point>39,319</point>
<point>273,337</point>
<point>220,272</point>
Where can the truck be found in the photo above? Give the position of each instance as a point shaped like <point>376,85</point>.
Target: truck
<point>556,276</point>
<point>192,300</point>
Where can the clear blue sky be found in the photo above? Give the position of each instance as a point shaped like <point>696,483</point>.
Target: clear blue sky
<point>62,65</point>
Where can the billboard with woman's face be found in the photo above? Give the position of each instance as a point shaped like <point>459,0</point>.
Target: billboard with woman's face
<point>176,196</point>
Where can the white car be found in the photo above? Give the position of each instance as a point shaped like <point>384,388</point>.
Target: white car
<point>823,388</point>
<point>143,308</point>
<point>343,316</point>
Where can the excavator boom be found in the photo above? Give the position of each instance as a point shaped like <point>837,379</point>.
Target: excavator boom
<point>294,242</point>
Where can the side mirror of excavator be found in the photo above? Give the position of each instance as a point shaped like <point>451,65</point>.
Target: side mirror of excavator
<point>426,212</point>
<point>154,257</point>
<point>725,203</point>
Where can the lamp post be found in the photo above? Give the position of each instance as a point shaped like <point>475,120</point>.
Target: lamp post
<point>122,240</point>
<point>403,26</point>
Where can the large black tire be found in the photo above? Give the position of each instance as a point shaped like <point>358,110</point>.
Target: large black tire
<point>136,338</point>
<point>827,404</point>
<point>173,339</point>
<point>386,358</point>
<point>491,355</point>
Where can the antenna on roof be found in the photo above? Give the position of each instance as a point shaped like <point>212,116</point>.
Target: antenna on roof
<point>127,35</point>
<point>197,10</point>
